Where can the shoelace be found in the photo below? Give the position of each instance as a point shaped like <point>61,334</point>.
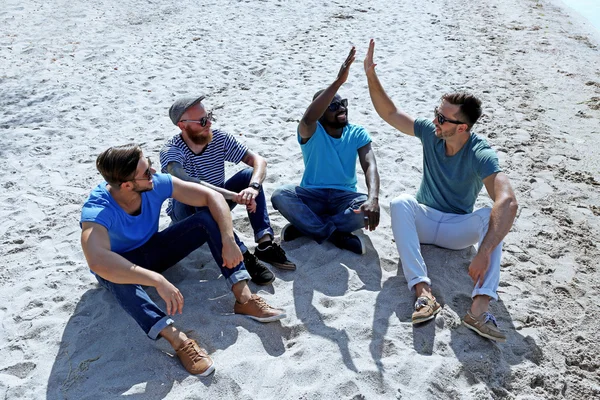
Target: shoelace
<point>420,303</point>
<point>261,303</point>
<point>250,260</point>
<point>191,351</point>
<point>489,317</point>
<point>278,250</point>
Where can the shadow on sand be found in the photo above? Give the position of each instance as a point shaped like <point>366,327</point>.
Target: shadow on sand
<point>482,360</point>
<point>104,354</point>
<point>334,283</point>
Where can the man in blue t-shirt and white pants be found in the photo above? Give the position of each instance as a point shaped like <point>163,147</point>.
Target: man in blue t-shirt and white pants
<point>456,165</point>
<point>326,205</point>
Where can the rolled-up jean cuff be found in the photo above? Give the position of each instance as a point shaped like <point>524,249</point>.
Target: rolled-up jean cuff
<point>418,279</point>
<point>159,326</point>
<point>484,292</point>
<point>238,276</point>
<point>264,232</point>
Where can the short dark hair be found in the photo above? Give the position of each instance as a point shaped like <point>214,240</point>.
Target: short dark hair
<point>469,106</point>
<point>118,164</point>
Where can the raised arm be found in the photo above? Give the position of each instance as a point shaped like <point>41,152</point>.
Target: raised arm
<point>199,196</point>
<point>383,104</point>
<point>502,217</point>
<point>117,269</point>
<point>316,109</point>
<point>369,166</point>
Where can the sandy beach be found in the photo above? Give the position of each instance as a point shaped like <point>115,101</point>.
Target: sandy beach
<point>78,77</point>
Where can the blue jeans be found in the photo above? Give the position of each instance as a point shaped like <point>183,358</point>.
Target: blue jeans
<point>259,220</point>
<point>319,212</point>
<point>163,250</point>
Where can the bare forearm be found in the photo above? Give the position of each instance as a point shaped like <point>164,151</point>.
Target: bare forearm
<point>372,180</point>
<point>384,106</point>
<point>501,220</point>
<point>115,268</point>
<point>221,214</point>
<point>319,105</point>
<point>177,170</point>
<point>259,172</point>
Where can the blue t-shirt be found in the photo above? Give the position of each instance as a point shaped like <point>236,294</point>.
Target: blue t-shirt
<point>127,232</point>
<point>451,184</point>
<point>330,163</point>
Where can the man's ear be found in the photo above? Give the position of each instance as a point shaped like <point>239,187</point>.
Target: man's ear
<point>463,128</point>
<point>126,185</point>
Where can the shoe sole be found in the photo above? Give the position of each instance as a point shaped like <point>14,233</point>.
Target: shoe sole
<point>267,319</point>
<point>432,316</point>
<point>209,370</point>
<point>485,335</point>
<point>285,267</point>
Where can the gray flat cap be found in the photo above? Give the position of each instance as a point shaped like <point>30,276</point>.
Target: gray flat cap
<point>181,105</point>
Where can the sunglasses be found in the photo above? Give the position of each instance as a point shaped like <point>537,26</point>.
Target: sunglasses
<point>202,121</point>
<point>337,104</point>
<point>147,172</point>
<point>441,119</point>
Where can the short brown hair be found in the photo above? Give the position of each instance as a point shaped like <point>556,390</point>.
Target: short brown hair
<point>469,106</point>
<point>118,164</point>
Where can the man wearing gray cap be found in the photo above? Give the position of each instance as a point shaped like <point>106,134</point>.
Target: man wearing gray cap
<point>198,154</point>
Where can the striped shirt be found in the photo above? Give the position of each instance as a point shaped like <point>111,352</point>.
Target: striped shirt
<point>208,165</point>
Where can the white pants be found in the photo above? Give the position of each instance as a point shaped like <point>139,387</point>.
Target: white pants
<point>414,223</point>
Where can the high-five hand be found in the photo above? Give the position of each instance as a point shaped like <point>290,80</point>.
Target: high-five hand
<point>345,68</point>
<point>369,63</point>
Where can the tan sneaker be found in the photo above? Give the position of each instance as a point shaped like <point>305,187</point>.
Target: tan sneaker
<point>258,309</point>
<point>485,325</point>
<point>425,309</point>
<point>195,359</point>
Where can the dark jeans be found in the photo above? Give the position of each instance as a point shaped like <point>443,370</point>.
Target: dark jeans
<point>162,251</point>
<point>319,212</point>
<point>258,219</point>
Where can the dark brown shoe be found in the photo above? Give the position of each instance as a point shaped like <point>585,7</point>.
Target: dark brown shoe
<point>195,359</point>
<point>425,309</point>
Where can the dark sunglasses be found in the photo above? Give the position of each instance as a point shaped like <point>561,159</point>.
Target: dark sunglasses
<point>202,121</point>
<point>441,119</point>
<point>147,172</point>
<point>337,104</point>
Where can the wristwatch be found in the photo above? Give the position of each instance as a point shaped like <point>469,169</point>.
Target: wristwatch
<point>255,185</point>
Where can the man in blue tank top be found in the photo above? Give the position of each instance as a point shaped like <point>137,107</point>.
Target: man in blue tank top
<point>326,205</point>
<point>456,165</point>
<point>125,250</point>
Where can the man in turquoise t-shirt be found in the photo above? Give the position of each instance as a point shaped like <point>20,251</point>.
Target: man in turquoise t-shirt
<point>326,205</point>
<point>456,165</point>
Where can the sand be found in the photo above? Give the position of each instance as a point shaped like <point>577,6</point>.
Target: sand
<point>77,77</point>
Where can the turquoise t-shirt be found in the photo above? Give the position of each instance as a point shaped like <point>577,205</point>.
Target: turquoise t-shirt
<point>330,163</point>
<point>127,232</point>
<point>451,184</point>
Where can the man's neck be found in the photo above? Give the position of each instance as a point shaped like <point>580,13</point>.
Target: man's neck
<point>456,142</point>
<point>195,148</point>
<point>333,132</point>
<point>129,201</point>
